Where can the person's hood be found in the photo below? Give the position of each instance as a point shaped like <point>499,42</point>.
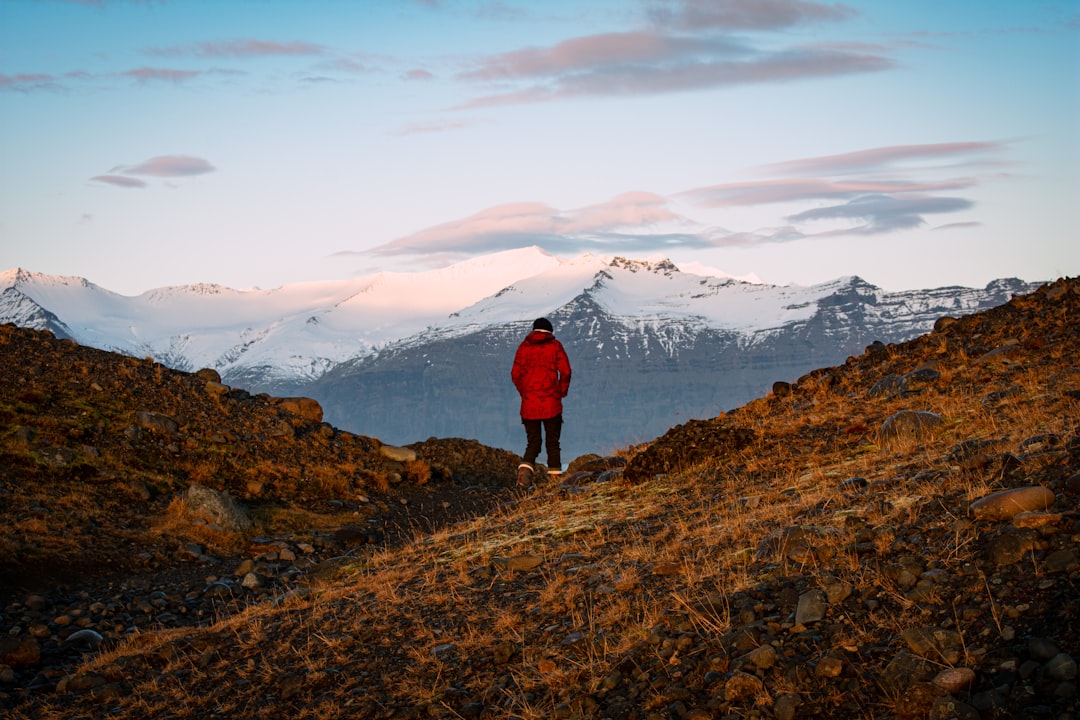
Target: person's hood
<point>539,336</point>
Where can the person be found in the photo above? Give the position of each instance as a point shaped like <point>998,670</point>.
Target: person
<point>541,374</point>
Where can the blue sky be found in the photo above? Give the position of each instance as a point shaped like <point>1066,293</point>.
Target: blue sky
<point>260,142</point>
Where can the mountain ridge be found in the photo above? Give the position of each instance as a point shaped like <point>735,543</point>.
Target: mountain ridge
<point>308,339</point>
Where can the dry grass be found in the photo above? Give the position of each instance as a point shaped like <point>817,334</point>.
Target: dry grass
<point>639,587</point>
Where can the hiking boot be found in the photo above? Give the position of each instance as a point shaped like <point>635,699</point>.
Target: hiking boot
<point>554,472</point>
<point>525,474</point>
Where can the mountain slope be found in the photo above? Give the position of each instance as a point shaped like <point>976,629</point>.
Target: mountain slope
<point>893,537</point>
<point>405,356</point>
<point>650,347</point>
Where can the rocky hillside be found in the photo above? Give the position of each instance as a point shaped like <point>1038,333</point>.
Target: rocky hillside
<point>895,537</point>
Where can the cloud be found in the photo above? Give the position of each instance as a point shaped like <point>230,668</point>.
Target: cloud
<point>162,166</point>
<point>876,158</point>
<point>605,225</point>
<point>240,48</point>
<point>149,74</point>
<point>650,63</point>
<point>641,221</point>
<point>434,126</point>
<point>884,213</point>
<point>27,82</point>
<point>801,189</point>
<point>171,166</point>
<point>746,14</point>
<point>120,181</point>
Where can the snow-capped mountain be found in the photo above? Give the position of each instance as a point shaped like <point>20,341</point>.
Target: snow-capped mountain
<point>406,356</point>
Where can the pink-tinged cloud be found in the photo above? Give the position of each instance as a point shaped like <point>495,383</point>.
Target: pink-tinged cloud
<point>801,189</point>
<point>880,157</point>
<point>242,47</point>
<point>749,14</point>
<point>527,223</point>
<point>120,181</point>
<point>595,51</point>
<point>418,74</point>
<point>171,166</point>
<point>148,74</point>
<point>612,69</point>
<point>25,82</point>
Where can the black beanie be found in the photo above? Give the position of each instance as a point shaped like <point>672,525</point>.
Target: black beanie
<point>542,324</point>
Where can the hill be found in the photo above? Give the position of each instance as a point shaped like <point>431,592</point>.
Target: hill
<point>893,537</point>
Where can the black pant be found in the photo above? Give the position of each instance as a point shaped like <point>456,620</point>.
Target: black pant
<point>552,431</point>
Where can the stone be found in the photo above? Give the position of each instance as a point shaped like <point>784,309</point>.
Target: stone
<point>1004,504</point>
<point>399,454</point>
<point>1061,667</point>
<point>19,652</point>
<point>955,680</point>
<point>786,706</point>
<point>1011,546</point>
<point>936,644</point>
<point>909,426</point>
<point>219,507</point>
<point>742,686</point>
<point>307,408</point>
<point>811,608</point>
<point>157,422</point>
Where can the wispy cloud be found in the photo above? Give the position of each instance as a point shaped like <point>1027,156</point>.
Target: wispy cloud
<point>512,225</point>
<point>651,63</point>
<point>745,14</point>
<point>28,82</point>
<point>877,158</point>
<point>875,203</point>
<point>120,181</point>
<point>883,213</point>
<point>171,166</point>
<point>239,48</point>
<point>800,189</point>
<point>162,166</point>
<point>149,74</point>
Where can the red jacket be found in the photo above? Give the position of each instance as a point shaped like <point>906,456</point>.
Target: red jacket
<point>541,374</point>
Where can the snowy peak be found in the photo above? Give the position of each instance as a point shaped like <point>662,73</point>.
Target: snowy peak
<point>297,332</point>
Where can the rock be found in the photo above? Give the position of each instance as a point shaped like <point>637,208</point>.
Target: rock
<point>955,680</point>
<point>1004,504</point>
<point>888,386</point>
<point>762,657</point>
<point>398,454</point>
<point>1061,667</point>
<point>829,667</point>
<point>909,426</point>
<point>157,422</point>
<point>786,706</point>
<point>936,644</point>
<point>949,708</point>
<point>218,507</point>
<point>742,686</point>
<point>217,389</point>
<point>943,323</point>
<point>1012,546</point>
<point>19,652</point>
<point>811,608</point>
<point>307,408</point>
<point>210,375</point>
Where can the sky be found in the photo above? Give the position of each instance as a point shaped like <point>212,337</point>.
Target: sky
<point>259,143</point>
